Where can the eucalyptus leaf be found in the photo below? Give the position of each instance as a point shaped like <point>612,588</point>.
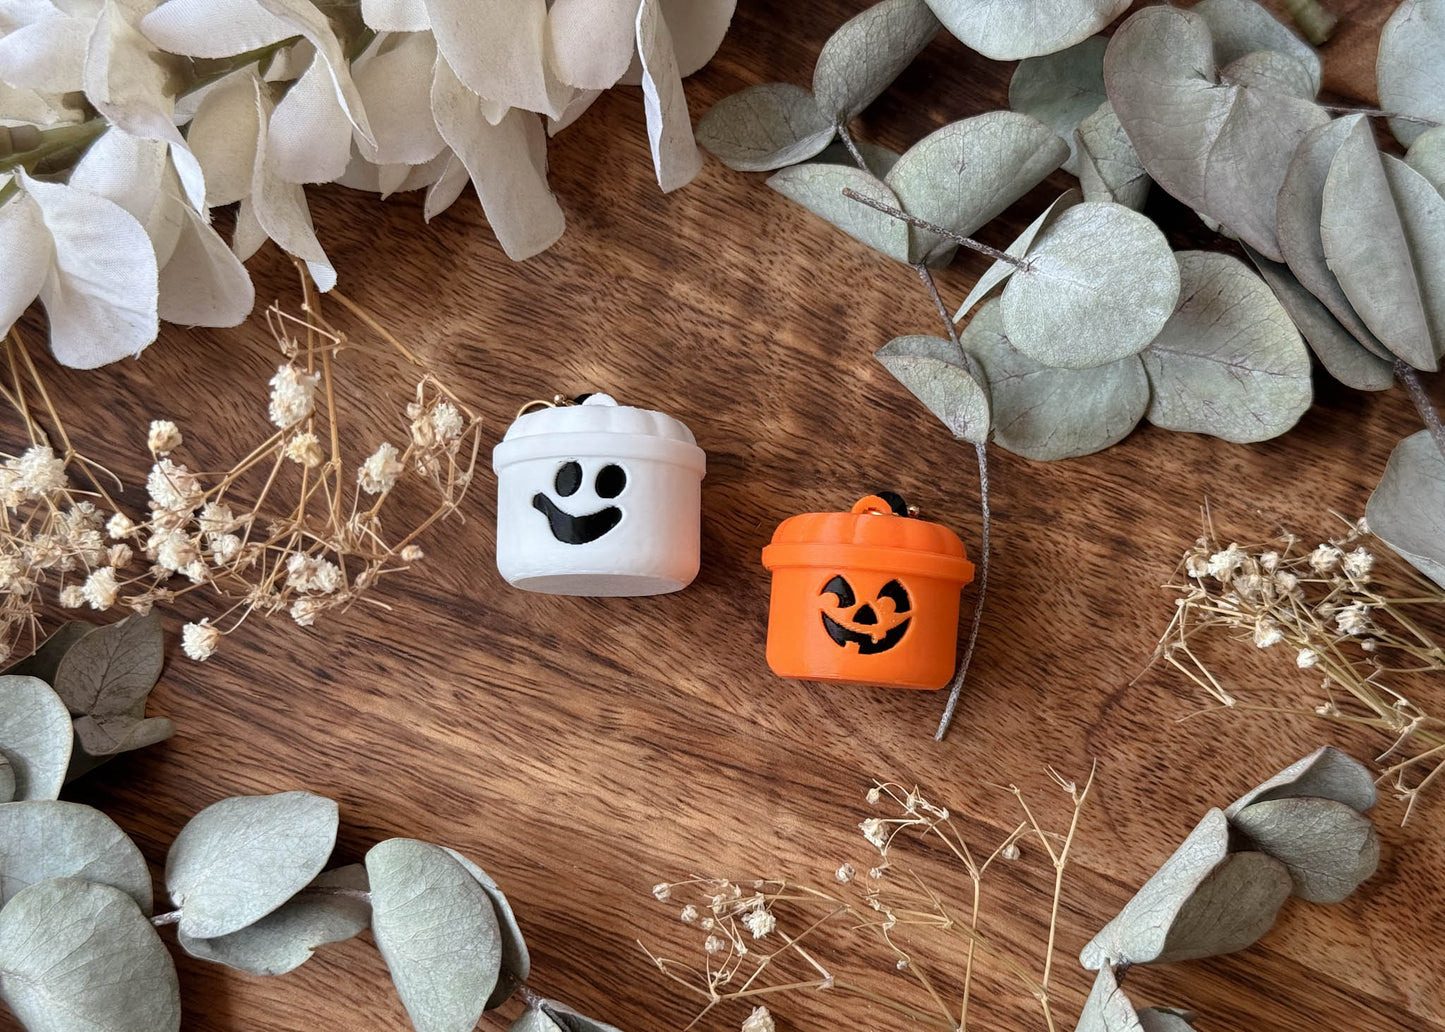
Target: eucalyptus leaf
<point>111,735</point>
<point>934,372</point>
<point>1109,167</point>
<point>1024,28</point>
<point>1001,270</point>
<point>961,176</point>
<point>1407,509</point>
<point>1242,27</point>
<point>42,663</point>
<point>765,127</point>
<point>238,860</point>
<point>534,1019</point>
<point>878,159</point>
<point>1061,89</point>
<point>1365,244</point>
<point>516,960</point>
<point>1298,214</point>
<point>77,956</point>
<point>1100,284</point>
<point>866,53</point>
<point>46,838</point>
<point>1230,910</point>
<point>1422,215</point>
<point>1159,1019</point>
<point>1107,1009</point>
<point>7,780</point>
<point>1271,70</point>
<point>819,188</point>
<point>1409,69</point>
<point>286,938</point>
<point>1427,156</point>
<point>1044,413</point>
<point>571,1021</point>
<point>1337,349</point>
<point>35,736</point>
<point>436,930</point>
<point>1328,847</point>
<point>111,670</point>
<point>1221,149</point>
<point>1325,773</point>
<point>1229,362</point>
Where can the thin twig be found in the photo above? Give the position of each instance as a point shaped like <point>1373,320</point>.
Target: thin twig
<point>1407,375</point>
<point>954,235</point>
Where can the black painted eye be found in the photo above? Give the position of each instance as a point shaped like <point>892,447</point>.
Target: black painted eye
<point>610,481</point>
<point>569,479</point>
<point>839,587</point>
<point>898,593</point>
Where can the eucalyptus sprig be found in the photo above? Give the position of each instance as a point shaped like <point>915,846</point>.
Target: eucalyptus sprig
<point>1097,324</point>
<point>250,878</point>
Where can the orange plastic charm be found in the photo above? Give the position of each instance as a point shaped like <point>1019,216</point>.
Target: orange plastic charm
<point>865,597</point>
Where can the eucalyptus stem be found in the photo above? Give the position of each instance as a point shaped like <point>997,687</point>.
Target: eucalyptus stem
<point>1407,375</point>
<point>914,220</point>
<point>1347,109</point>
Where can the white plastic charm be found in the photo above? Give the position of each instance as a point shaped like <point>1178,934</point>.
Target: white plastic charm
<point>598,499</point>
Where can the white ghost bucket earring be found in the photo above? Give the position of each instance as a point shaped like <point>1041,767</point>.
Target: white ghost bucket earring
<point>598,498</point>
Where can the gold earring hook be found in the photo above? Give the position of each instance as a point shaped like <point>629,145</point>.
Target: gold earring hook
<point>558,400</point>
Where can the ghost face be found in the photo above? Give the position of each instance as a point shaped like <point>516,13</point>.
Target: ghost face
<point>583,528</point>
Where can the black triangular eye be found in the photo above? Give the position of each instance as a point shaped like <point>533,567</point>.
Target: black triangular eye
<point>841,588</point>
<point>569,479</point>
<point>898,593</point>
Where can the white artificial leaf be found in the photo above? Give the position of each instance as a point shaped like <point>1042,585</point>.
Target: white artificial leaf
<point>47,55</point>
<point>513,189</point>
<point>280,208</point>
<point>310,21</point>
<point>1271,70</point>
<point>580,102</point>
<point>308,139</point>
<point>223,137</point>
<point>1107,1009</point>
<point>675,156</point>
<point>1014,29</point>
<point>395,15</point>
<point>249,234</point>
<point>213,28</point>
<point>136,174</point>
<point>204,283</point>
<point>497,48</point>
<point>1410,70</point>
<point>516,960</point>
<point>25,253</point>
<point>697,28</point>
<point>443,193</point>
<point>1325,773</point>
<point>395,87</point>
<point>1422,214</point>
<point>101,291</point>
<point>592,41</point>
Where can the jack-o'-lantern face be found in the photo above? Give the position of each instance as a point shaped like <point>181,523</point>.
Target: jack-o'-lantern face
<point>607,482</point>
<point>871,625</point>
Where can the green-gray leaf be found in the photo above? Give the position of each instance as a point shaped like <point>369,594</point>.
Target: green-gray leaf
<point>878,159</point>
<point>110,735</point>
<point>933,371</point>
<point>1325,773</point>
<point>819,188</point>
<point>1409,70</point>
<point>35,736</point>
<point>1366,246</point>
<point>1109,167</point>
<point>1100,284</point>
<point>111,670</point>
<point>867,52</point>
<point>1229,362</point>
<point>765,127</point>
<point>1427,156</point>
<point>286,938</point>
<point>7,780</point>
<point>46,838</point>
<point>1328,847</point>
<point>961,176</point>
<point>1243,27</point>
<point>1271,70</point>
<point>42,663</point>
<point>1001,270</point>
<point>1061,89</point>
<point>1162,1019</point>
<point>1221,149</point>
<point>1422,214</point>
<point>1345,357</point>
<point>1107,1009</point>
<point>1009,31</point>
<point>1230,910</point>
<point>571,1021</point>
<point>238,860</point>
<point>76,956</point>
<point>1297,222</point>
<point>534,1019</point>
<point>1407,510</point>
<point>437,931</point>
<point>1047,414</point>
<point>516,960</point>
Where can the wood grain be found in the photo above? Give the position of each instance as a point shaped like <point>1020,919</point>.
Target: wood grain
<point>584,749</point>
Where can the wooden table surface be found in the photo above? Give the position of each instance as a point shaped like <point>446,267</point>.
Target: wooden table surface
<point>584,749</point>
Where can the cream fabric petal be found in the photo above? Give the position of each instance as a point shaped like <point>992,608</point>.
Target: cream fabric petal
<point>395,87</point>
<point>248,236</point>
<point>47,55</point>
<point>290,62</point>
<point>502,162</point>
<point>592,41</point>
<point>280,208</point>
<point>36,108</point>
<point>136,174</point>
<point>573,111</point>
<point>309,137</point>
<point>25,253</point>
<point>100,291</point>
<point>443,193</point>
<point>395,15</point>
<point>675,155</point>
<point>306,18</point>
<point>497,48</point>
<point>223,137</point>
<point>698,28</point>
<point>213,28</point>
<point>203,283</point>
<point>390,177</point>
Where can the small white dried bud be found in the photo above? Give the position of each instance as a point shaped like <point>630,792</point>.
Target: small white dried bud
<point>379,472</point>
<point>119,556</point>
<point>1328,709</point>
<point>1223,564</point>
<point>845,873</point>
<point>120,526</point>
<point>199,640</point>
<point>875,831</point>
<point>759,1021</point>
<point>72,596</point>
<point>164,437</point>
<point>172,486</point>
<point>1325,558</point>
<point>1358,564</point>
<point>689,914</point>
<point>293,393</point>
<point>1270,561</point>
<point>225,548</point>
<point>874,795</point>
<point>305,610</point>
<point>760,922</point>
<point>100,588</point>
<point>1306,658</point>
<point>447,422</point>
<point>411,553</point>
<point>901,964</point>
<point>305,450</point>
<point>662,891</point>
<point>1267,633</point>
<point>1353,620</point>
<point>713,944</point>
<point>1010,851</point>
<point>1286,583</point>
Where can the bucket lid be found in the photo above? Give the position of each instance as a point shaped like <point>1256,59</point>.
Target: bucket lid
<point>873,537</point>
<point>598,427</point>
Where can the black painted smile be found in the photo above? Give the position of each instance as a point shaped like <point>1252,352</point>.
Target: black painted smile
<point>576,530</point>
<point>866,645</point>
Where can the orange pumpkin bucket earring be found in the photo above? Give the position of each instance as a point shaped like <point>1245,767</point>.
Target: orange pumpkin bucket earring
<point>869,596</point>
